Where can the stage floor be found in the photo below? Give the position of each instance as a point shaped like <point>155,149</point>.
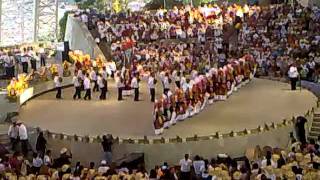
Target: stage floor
<point>260,101</point>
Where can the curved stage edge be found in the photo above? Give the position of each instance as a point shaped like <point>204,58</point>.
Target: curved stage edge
<point>156,150</point>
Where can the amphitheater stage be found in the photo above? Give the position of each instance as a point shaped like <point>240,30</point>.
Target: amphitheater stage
<point>259,102</point>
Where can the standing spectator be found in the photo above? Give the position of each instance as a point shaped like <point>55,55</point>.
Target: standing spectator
<point>135,86</point>
<point>42,54</point>
<point>197,164</point>
<point>13,134</point>
<point>33,60</point>
<point>185,167</point>
<point>301,132</point>
<point>57,81</point>
<point>23,136</point>
<point>36,163</point>
<point>15,162</point>
<point>103,168</point>
<point>293,75</point>
<point>41,144</point>
<point>25,61</point>
<point>47,159</point>
<point>107,148</point>
<point>64,158</point>
<point>9,64</point>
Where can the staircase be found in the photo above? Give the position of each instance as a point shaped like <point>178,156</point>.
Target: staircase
<point>104,46</point>
<point>315,127</point>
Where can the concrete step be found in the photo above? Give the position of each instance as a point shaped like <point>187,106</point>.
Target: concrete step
<point>312,137</point>
<point>315,123</point>
<point>315,134</point>
<point>315,126</point>
<point>316,119</point>
<point>315,129</point>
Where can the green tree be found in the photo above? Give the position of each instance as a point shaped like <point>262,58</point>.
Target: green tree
<point>62,25</point>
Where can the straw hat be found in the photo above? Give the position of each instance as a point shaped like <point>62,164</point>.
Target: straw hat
<point>100,178</point>
<point>55,175</point>
<point>275,157</point>
<point>65,168</point>
<point>307,176</point>
<point>236,175</point>
<point>268,170</point>
<point>285,168</point>
<point>277,172</point>
<point>307,158</point>
<point>224,175</point>
<point>299,157</point>
<point>284,154</point>
<point>63,150</point>
<point>103,162</point>
<point>66,176</point>
<point>290,175</point>
<point>31,177</point>
<point>316,159</point>
<point>22,178</point>
<point>42,177</point>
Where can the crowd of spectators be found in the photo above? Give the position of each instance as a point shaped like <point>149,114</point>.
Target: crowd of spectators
<point>278,35</point>
<point>300,161</point>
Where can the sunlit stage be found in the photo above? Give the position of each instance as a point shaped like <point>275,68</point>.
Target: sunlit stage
<point>259,102</point>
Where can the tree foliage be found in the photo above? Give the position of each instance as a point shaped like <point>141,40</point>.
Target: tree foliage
<point>62,25</point>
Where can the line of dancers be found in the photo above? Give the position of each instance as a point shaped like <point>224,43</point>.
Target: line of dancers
<point>198,91</point>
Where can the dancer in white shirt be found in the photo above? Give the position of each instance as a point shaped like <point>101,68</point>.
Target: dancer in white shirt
<point>57,81</point>
<point>135,86</point>
<point>87,88</point>
<point>151,84</point>
<point>93,77</point>
<point>77,86</point>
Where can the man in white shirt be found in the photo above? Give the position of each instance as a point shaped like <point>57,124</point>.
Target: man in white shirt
<point>293,75</point>
<point>23,136</point>
<point>47,158</point>
<point>120,86</point>
<point>198,163</point>
<point>25,61</point>
<point>185,167</point>
<point>42,54</point>
<point>135,86</point>
<point>13,133</point>
<point>151,84</point>
<point>57,81</point>
<point>87,88</point>
<point>93,77</point>
<point>103,168</point>
<point>77,86</point>
<point>102,85</point>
